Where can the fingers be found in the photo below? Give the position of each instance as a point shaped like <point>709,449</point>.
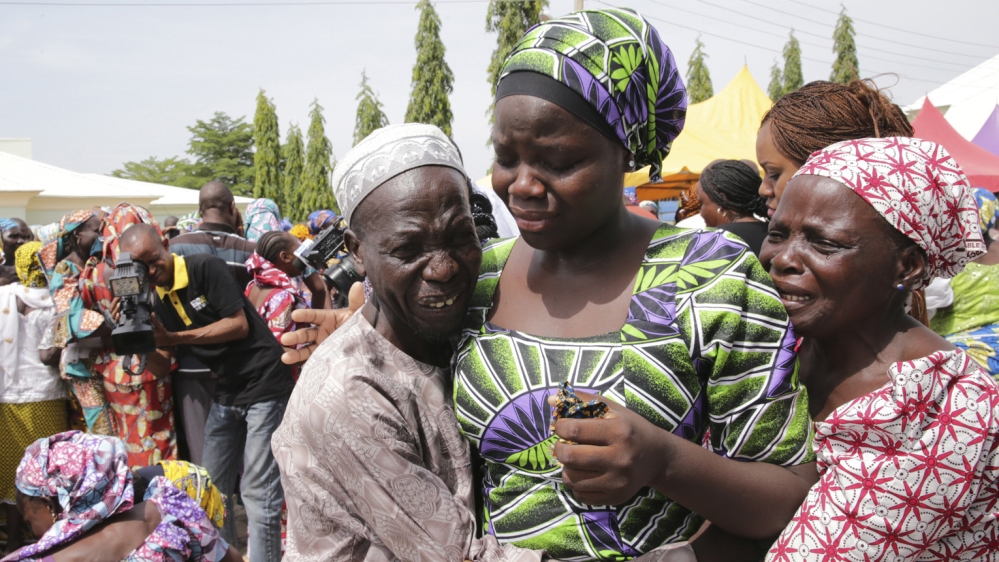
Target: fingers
<point>300,336</point>
<point>295,356</point>
<point>355,298</point>
<point>592,431</point>
<point>311,315</point>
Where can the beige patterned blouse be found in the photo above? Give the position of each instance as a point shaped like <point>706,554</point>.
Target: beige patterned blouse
<point>372,462</point>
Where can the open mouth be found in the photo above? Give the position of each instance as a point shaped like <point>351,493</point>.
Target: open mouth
<point>794,298</point>
<point>440,301</point>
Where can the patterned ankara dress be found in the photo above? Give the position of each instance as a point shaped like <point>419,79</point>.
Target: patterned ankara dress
<point>706,346</point>
<point>908,472</point>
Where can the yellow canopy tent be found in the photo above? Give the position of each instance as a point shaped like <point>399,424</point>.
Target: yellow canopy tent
<point>723,126</point>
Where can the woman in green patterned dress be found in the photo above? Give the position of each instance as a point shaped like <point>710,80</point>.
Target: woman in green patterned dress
<point>681,330</point>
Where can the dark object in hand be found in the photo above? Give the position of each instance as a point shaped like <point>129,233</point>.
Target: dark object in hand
<point>326,248</point>
<point>568,405</point>
<point>133,332</point>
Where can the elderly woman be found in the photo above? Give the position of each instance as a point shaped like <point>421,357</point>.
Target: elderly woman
<point>971,322</point>
<point>907,431</point>
<point>79,328</point>
<point>76,493</point>
<point>727,192</point>
<point>681,330</point>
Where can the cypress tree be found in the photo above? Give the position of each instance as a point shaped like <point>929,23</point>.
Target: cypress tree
<point>510,20</point>
<point>294,162</point>
<point>432,77</point>
<point>370,116</point>
<point>776,88</point>
<point>698,78</point>
<point>267,158</point>
<point>793,78</point>
<point>318,166</point>
<point>845,67</point>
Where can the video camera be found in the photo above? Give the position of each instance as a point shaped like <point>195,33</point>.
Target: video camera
<point>133,334</point>
<point>329,245</point>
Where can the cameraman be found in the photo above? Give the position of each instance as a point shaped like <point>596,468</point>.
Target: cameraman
<point>202,310</point>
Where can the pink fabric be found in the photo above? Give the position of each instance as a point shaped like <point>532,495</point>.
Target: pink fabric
<point>918,188</point>
<point>909,472</point>
<point>287,294</point>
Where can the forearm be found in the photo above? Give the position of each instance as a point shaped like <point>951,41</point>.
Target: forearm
<point>227,329</point>
<point>716,545</point>
<point>755,500</point>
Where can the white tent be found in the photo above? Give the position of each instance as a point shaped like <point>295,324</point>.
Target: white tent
<point>966,101</point>
<point>40,193</point>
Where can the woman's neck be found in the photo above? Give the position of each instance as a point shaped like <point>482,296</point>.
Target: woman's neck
<point>595,250</point>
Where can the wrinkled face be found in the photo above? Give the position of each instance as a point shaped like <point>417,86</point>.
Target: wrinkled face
<point>156,255</point>
<point>84,237</point>
<point>712,214</point>
<point>414,239</point>
<point>560,178</point>
<point>831,257</point>
<point>14,238</point>
<point>36,512</point>
<point>777,168</point>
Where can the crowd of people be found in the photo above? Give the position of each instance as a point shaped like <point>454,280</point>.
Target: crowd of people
<point>801,368</point>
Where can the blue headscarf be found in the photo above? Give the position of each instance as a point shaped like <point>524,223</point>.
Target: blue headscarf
<point>988,209</point>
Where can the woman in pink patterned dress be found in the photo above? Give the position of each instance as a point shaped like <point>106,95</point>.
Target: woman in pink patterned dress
<point>277,288</point>
<point>907,425</point>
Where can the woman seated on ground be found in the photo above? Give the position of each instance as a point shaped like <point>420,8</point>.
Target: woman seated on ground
<point>907,425</point>
<point>728,193</point>
<point>75,491</point>
<point>972,321</point>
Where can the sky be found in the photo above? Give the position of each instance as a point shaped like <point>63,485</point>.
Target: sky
<point>96,85</point>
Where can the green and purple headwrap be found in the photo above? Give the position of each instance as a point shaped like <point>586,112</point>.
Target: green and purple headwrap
<point>620,78</point>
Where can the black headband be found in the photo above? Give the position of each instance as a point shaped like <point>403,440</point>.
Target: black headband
<point>526,83</point>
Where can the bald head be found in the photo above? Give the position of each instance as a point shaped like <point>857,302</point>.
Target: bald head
<point>170,221</point>
<point>138,235</point>
<point>143,242</point>
<point>216,204</point>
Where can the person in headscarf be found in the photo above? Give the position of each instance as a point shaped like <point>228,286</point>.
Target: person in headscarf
<point>76,331</point>
<point>76,492</point>
<point>262,215</point>
<point>13,233</point>
<point>971,322</point>
<point>44,233</point>
<point>301,231</point>
<point>32,396</point>
<point>190,478</point>
<point>140,401</point>
<point>727,192</point>
<point>321,220</point>
<point>907,424</point>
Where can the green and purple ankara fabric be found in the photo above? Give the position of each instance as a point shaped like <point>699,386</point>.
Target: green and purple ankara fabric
<point>616,61</point>
<point>706,347</point>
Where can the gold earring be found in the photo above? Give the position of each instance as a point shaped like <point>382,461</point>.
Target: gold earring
<point>54,518</point>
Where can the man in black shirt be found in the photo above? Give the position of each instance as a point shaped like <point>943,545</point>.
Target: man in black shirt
<point>201,309</point>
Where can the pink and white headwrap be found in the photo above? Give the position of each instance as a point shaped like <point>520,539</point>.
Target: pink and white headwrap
<point>917,187</point>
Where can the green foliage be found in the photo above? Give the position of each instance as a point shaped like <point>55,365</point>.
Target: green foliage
<point>267,158</point>
<point>293,153</point>
<point>793,78</point>
<point>370,116</point>
<point>316,191</point>
<point>845,67</point>
<point>510,20</point>
<point>167,171</point>
<point>776,88</point>
<point>432,77</point>
<point>222,149</point>
<point>698,78</point>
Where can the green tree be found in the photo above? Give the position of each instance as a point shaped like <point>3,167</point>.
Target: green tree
<point>293,153</point>
<point>776,88</point>
<point>370,116</point>
<point>267,158</point>
<point>167,171</point>
<point>510,20</point>
<point>845,67</point>
<point>433,80</point>
<point>698,78</point>
<point>222,149</point>
<point>316,191</point>
<point>793,78</point>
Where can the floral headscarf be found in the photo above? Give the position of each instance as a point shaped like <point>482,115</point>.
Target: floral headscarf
<point>988,208</point>
<point>44,233</point>
<point>87,474</point>
<point>29,267</point>
<point>616,61</point>
<point>301,231</point>
<point>56,249</point>
<point>262,215</point>
<point>917,187</point>
<point>319,220</point>
<point>120,218</point>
